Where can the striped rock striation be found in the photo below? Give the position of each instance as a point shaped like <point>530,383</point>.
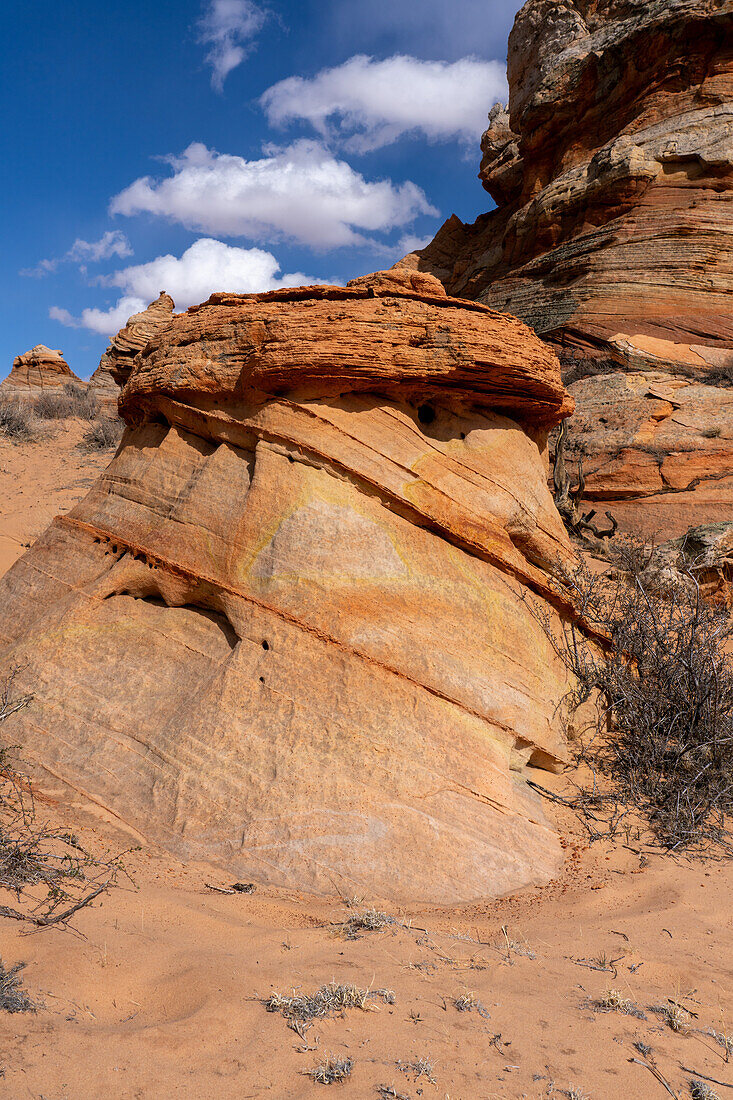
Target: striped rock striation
<point>612,170</point>
<point>116,363</point>
<point>293,628</point>
<point>37,370</point>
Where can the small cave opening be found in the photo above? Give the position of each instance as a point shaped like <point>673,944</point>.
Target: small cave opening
<point>426,414</point>
<point>265,645</point>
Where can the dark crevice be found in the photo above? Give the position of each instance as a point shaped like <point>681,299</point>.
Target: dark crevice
<point>215,617</point>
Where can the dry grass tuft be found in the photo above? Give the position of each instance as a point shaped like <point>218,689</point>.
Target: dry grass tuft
<point>16,421</point>
<point>674,1017</point>
<point>325,1001</point>
<point>72,401</point>
<point>13,998</point>
<point>103,434</point>
<point>700,1090</point>
<point>367,920</point>
<point>613,1001</point>
<point>419,1067</point>
<point>331,1071</point>
<point>467,1002</point>
<point>724,1041</point>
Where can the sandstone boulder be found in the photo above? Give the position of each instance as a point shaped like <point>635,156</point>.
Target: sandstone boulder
<point>294,627</point>
<point>116,363</point>
<point>37,370</point>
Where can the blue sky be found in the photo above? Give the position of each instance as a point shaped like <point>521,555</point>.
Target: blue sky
<point>228,144</point>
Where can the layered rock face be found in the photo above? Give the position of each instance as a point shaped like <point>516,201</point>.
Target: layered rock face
<point>293,627</point>
<point>613,175</point>
<point>39,369</point>
<point>116,363</point>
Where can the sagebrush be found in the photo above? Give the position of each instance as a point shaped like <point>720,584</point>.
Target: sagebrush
<point>663,684</point>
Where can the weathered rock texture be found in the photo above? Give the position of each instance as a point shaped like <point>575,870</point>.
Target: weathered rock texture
<point>116,363</point>
<point>656,449</point>
<point>37,370</point>
<point>613,175</point>
<point>291,627</point>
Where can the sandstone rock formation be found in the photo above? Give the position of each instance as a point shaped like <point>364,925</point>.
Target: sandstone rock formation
<point>37,370</point>
<point>293,627</point>
<point>656,449</point>
<point>116,363</point>
<point>613,174</point>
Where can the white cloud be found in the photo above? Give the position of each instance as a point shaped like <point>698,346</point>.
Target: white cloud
<point>301,193</point>
<point>228,27</point>
<point>206,266</point>
<point>112,243</point>
<point>368,103</point>
<point>410,243</point>
<point>105,321</point>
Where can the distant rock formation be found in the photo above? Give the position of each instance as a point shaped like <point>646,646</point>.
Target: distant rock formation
<point>116,363</point>
<point>613,175</point>
<point>293,627</point>
<point>39,369</point>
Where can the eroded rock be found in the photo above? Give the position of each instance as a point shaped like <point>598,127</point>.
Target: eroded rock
<point>293,627</point>
<point>116,363</point>
<point>613,237</point>
<point>37,370</point>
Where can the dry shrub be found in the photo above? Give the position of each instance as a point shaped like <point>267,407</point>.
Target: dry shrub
<point>103,434</point>
<point>48,872</point>
<point>71,401</point>
<point>16,421</point>
<point>664,730</point>
<point>13,998</point>
<point>325,1001</point>
<point>332,1071</point>
<point>367,920</point>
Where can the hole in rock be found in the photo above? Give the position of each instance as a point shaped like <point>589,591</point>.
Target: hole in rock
<point>290,458</point>
<point>426,414</point>
<point>262,679</point>
<point>463,435</point>
<point>265,645</point>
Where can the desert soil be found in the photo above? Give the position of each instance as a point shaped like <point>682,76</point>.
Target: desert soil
<point>157,989</point>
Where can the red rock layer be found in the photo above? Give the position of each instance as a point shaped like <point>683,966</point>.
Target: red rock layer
<point>613,175</point>
<point>295,627</point>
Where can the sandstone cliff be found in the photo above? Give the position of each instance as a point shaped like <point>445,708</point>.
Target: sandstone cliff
<point>612,171</point>
<point>37,370</point>
<point>116,363</point>
<point>293,626</point>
